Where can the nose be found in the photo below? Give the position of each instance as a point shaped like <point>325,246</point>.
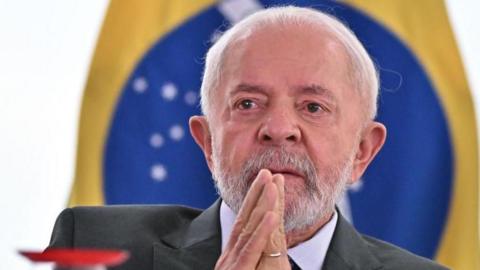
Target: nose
<point>280,129</point>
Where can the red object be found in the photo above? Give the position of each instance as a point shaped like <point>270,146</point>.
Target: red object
<point>78,257</point>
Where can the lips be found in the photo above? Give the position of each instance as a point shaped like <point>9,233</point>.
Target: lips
<point>286,171</point>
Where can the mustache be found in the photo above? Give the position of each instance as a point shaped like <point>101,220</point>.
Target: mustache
<point>321,188</point>
<point>280,158</point>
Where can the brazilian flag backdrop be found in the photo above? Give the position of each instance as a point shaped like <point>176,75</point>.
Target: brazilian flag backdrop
<point>421,192</point>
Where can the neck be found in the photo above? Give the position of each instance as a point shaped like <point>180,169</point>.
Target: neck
<point>296,236</point>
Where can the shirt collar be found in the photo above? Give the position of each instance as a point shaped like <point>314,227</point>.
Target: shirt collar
<point>301,253</point>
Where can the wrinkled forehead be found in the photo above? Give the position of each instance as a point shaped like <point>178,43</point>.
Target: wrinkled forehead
<point>287,49</point>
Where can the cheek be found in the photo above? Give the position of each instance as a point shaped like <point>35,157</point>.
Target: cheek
<point>237,143</point>
<point>329,146</point>
<point>323,147</point>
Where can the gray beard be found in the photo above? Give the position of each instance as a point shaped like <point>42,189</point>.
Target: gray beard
<point>312,203</point>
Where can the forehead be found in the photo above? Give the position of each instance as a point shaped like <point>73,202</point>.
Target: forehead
<point>289,54</point>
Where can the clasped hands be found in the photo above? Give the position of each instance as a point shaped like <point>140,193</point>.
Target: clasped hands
<point>258,234</point>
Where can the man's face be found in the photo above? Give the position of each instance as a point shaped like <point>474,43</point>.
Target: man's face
<point>286,102</point>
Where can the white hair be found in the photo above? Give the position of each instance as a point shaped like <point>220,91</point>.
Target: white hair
<point>363,72</point>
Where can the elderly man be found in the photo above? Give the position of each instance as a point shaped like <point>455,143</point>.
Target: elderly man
<point>289,96</point>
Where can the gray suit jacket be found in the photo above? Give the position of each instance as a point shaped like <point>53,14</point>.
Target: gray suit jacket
<point>175,237</point>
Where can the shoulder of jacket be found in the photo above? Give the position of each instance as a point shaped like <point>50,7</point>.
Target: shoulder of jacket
<point>135,211</point>
<point>393,257</point>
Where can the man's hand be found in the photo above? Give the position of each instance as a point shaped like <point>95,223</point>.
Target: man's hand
<point>258,229</point>
<point>277,242</point>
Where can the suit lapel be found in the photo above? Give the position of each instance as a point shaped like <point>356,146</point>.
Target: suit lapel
<point>196,245</point>
<point>348,250</point>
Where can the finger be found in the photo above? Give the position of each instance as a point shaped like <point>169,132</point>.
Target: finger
<point>274,263</point>
<point>249,203</point>
<point>250,254</point>
<point>277,241</point>
<point>260,199</point>
<point>279,181</point>
<point>263,177</point>
<point>265,203</point>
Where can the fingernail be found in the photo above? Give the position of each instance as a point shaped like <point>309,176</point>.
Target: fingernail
<point>265,171</point>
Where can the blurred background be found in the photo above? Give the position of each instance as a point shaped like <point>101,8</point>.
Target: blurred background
<point>46,48</point>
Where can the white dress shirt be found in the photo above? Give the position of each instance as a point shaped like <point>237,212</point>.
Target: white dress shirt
<point>308,255</point>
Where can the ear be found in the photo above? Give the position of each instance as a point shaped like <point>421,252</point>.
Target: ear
<point>201,134</point>
<point>372,140</point>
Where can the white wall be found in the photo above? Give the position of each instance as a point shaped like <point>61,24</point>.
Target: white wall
<point>465,19</point>
<point>45,50</point>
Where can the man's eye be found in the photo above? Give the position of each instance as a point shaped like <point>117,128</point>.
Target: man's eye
<point>246,104</point>
<point>314,107</point>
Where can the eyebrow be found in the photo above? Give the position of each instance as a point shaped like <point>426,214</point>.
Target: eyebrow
<point>250,88</point>
<point>313,89</point>
<point>317,89</point>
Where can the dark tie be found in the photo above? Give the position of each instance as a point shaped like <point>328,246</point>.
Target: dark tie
<point>293,264</point>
